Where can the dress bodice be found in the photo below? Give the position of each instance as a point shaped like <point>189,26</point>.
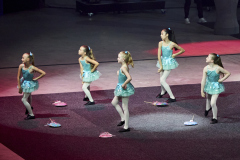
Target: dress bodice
<point>86,66</point>
<point>27,75</point>
<point>212,76</point>
<point>166,51</point>
<point>121,77</point>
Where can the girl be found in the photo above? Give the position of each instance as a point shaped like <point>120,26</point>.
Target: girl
<point>166,61</point>
<point>124,89</point>
<point>88,66</point>
<point>28,84</point>
<point>212,83</point>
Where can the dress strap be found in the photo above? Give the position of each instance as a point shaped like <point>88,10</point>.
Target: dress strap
<point>30,67</point>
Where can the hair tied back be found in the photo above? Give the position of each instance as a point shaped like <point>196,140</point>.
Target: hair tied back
<point>89,48</point>
<point>30,53</point>
<point>126,52</point>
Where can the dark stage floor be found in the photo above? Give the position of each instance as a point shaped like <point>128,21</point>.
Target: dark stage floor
<point>156,132</point>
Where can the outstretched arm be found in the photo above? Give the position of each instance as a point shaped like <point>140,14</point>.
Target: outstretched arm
<point>129,78</point>
<point>178,47</point>
<point>39,71</point>
<point>96,64</point>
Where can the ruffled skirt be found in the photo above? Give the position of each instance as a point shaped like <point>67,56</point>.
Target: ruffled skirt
<point>89,76</point>
<point>214,88</point>
<point>29,86</point>
<point>120,92</point>
<point>168,63</point>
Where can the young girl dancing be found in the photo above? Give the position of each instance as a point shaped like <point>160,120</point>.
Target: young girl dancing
<point>166,61</point>
<point>27,84</point>
<point>88,72</point>
<point>212,83</point>
<point>124,89</point>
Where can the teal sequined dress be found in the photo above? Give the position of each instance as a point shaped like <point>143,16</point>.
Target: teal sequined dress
<point>28,85</point>
<point>212,85</point>
<point>119,91</point>
<point>89,76</point>
<point>168,62</point>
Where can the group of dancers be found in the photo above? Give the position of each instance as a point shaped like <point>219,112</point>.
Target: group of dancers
<point>213,76</point>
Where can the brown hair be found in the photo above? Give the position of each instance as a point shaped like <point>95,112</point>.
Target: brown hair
<point>171,36</point>
<point>217,60</point>
<point>89,53</point>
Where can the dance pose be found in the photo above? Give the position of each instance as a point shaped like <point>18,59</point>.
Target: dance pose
<point>124,89</point>
<point>166,61</point>
<point>27,84</point>
<point>88,72</point>
<point>212,83</point>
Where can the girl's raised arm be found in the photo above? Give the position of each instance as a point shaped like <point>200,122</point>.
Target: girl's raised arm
<point>226,74</point>
<point>178,47</point>
<point>39,71</point>
<point>129,78</point>
<point>96,64</point>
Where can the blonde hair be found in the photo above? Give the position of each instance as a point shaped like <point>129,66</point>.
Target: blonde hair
<point>128,58</point>
<point>89,53</point>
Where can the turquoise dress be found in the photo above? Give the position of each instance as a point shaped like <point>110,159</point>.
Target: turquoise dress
<point>28,85</point>
<point>89,76</point>
<point>119,91</point>
<point>212,85</point>
<point>168,62</point>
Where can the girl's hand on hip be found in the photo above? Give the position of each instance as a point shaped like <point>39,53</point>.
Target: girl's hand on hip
<point>124,86</point>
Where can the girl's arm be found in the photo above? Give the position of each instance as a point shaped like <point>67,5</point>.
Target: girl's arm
<point>226,74</point>
<point>39,71</point>
<point>96,64</point>
<point>81,67</point>
<point>203,82</point>
<point>159,56</point>
<point>19,77</point>
<point>178,47</point>
<point>129,78</point>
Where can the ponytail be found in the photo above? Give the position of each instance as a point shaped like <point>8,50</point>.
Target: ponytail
<point>171,36</point>
<point>31,57</point>
<point>217,60</point>
<point>128,58</point>
<point>89,53</point>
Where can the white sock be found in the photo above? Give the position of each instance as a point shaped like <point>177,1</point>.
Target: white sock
<point>214,105</point>
<point>118,108</point>
<point>126,111</point>
<point>165,87</point>
<point>86,91</point>
<point>27,105</point>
